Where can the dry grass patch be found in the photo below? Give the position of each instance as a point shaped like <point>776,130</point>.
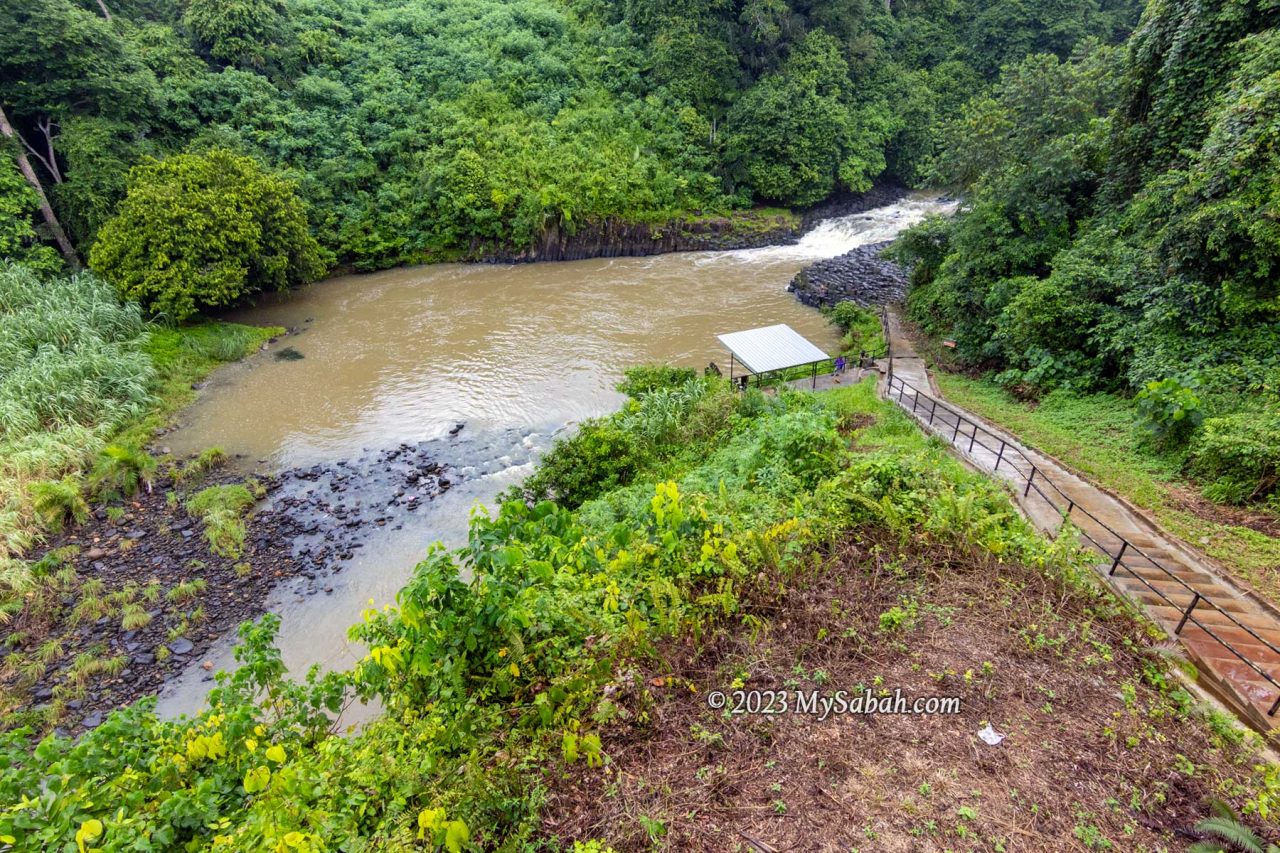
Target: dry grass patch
<point>1102,751</point>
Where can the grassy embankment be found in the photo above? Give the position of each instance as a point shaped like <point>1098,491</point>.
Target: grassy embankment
<point>751,222</point>
<point>86,383</point>
<point>1096,435</point>
<point>702,540</point>
<point>81,372</point>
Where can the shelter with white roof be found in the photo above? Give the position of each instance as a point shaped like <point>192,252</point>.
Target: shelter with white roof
<point>771,349</point>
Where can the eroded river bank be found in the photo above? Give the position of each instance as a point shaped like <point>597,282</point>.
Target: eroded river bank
<point>398,360</point>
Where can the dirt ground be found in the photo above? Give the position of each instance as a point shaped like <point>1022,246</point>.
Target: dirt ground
<point>71,656</point>
<point>1095,754</point>
<point>1192,501</point>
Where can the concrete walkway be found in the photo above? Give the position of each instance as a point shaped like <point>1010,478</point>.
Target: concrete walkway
<point>1178,589</point>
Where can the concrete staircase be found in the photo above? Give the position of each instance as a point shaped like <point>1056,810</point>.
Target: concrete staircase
<point>1231,636</point>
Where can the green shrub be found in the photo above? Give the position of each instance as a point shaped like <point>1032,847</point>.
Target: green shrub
<point>599,457</point>
<point>648,378</point>
<point>121,470</point>
<point>240,32</point>
<point>222,509</point>
<point>203,230</point>
<point>1170,411</point>
<point>1238,456</point>
<point>58,501</point>
<point>802,444</point>
<point>861,325</point>
<point>660,413</point>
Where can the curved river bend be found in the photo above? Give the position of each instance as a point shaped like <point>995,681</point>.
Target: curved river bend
<point>516,353</point>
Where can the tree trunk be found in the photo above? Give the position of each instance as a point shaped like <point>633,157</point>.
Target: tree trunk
<point>106,13</point>
<point>50,162</point>
<point>46,210</point>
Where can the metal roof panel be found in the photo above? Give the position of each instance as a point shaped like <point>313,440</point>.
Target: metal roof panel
<point>771,348</point>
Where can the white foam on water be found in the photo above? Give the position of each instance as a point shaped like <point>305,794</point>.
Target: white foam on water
<point>840,234</point>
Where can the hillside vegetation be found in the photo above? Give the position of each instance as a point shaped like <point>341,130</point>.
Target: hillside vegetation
<point>415,130</point>
<point>1120,234</point>
<point>542,656</point>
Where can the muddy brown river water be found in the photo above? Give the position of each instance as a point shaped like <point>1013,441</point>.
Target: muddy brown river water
<point>515,353</point>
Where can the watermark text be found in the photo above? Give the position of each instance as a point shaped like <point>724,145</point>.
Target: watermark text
<point>821,704</point>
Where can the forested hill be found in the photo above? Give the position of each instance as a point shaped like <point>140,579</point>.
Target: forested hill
<point>1122,233</point>
<point>417,128</point>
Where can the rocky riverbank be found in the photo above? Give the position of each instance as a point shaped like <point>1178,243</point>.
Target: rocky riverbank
<point>743,230</point>
<point>136,594</point>
<point>862,276</point>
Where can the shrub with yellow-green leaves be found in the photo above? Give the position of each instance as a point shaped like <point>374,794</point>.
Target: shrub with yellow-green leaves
<point>203,230</point>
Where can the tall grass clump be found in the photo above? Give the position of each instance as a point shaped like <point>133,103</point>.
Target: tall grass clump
<point>69,354</point>
<point>72,370</point>
<point>222,509</point>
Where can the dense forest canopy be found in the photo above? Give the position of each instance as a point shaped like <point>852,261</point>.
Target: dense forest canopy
<point>416,129</point>
<point>1122,232</point>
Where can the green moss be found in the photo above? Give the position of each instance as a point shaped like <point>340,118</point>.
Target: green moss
<point>756,220</point>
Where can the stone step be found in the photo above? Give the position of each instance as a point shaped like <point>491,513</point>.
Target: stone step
<point>1157,575</point>
<point>1177,592</point>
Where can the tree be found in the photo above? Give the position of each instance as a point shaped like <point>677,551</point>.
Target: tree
<point>42,202</point>
<point>18,239</point>
<point>235,31</point>
<point>795,132</point>
<point>786,129</point>
<point>56,58</point>
<point>203,229</point>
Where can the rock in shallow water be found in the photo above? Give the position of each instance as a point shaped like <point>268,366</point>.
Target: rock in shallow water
<point>861,276</point>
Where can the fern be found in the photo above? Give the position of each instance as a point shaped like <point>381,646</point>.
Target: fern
<point>1229,834</point>
<point>58,501</point>
<point>123,470</point>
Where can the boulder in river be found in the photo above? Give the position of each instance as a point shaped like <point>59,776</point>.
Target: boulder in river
<point>861,276</point>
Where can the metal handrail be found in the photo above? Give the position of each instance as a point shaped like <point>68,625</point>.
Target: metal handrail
<point>1011,455</point>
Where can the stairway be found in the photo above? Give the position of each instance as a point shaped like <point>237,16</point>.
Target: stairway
<point>1232,637</point>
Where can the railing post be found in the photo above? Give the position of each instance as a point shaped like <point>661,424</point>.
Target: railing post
<point>1030,477</point>
<point>915,402</point>
<point>956,431</point>
<point>973,437</point>
<point>1071,504</point>
<point>1124,546</point>
<point>888,339</point>
<point>999,455</point>
<point>1275,706</point>
<point>1195,599</point>
<point>933,410</point>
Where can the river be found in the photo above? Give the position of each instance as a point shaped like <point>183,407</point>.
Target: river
<point>514,353</point>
